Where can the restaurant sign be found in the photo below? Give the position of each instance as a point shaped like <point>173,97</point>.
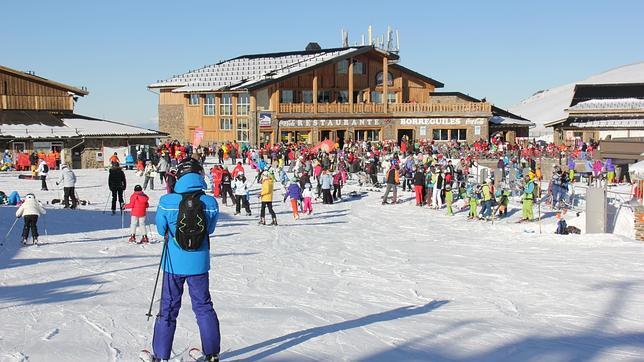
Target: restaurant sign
<point>330,122</point>
<point>376,122</point>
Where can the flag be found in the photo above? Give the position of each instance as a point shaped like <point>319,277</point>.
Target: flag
<point>197,137</point>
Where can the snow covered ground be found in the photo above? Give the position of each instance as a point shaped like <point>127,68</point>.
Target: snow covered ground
<point>356,281</point>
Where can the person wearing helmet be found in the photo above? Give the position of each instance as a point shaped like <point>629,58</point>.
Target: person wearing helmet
<point>30,210</point>
<point>240,188</point>
<point>181,266</point>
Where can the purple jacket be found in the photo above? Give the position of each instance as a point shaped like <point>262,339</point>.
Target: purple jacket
<point>294,192</point>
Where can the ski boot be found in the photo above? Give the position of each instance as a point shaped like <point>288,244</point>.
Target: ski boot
<point>274,222</point>
<point>262,221</point>
<point>24,242</point>
<point>144,240</point>
<point>132,239</point>
<point>34,240</point>
<point>235,213</point>
<point>113,212</point>
<point>248,214</point>
<point>212,358</point>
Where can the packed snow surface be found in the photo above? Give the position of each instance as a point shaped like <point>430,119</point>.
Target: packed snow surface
<point>355,281</point>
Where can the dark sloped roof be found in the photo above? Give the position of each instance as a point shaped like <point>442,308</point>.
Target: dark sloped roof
<point>586,92</point>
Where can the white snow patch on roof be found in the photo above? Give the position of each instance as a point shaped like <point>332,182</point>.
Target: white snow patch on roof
<point>604,104</point>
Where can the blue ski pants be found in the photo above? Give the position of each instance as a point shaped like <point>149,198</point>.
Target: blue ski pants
<point>166,321</point>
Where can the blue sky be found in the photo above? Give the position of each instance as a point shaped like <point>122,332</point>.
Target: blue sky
<point>502,50</point>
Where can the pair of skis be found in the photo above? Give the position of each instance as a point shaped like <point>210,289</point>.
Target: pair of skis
<point>195,354</point>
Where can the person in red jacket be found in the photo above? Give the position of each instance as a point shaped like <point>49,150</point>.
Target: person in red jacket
<point>216,180</point>
<point>139,204</point>
<point>237,170</point>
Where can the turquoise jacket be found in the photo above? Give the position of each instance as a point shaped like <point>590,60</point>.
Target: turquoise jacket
<point>177,260</point>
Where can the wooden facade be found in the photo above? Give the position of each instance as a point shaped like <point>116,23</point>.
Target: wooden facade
<point>386,100</point>
<point>25,91</point>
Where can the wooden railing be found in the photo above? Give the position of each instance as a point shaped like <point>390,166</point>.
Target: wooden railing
<point>481,107</point>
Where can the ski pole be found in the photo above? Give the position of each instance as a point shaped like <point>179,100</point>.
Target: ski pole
<point>44,224</point>
<point>106,201</point>
<point>156,281</point>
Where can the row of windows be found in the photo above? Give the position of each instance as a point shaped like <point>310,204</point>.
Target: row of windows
<point>326,96</point>
<point>343,67</point>
<point>449,134</point>
<point>242,131</point>
<point>225,104</point>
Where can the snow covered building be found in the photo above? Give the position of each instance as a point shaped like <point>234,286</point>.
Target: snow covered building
<point>37,115</point>
<point>602,111</point>
<point>350,93</point>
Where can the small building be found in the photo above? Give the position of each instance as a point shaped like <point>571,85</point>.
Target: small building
<point>351,93</point>
<point>600,112</point>
<point>37,115</point>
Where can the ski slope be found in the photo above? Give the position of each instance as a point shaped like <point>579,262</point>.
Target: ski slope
<point>355,281</point>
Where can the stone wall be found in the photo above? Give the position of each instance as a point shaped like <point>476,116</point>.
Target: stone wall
<point>639,222</point>
<point>172,121</point>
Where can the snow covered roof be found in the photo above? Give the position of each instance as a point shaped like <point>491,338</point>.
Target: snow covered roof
<point>251,71</point>
<point>611,123</point>
<point>609,104</point>
<point>549,106</point>
<point>39,124</point>
<point>510,121</point>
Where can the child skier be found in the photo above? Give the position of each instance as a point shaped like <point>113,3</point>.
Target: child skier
<point>139,204</point>
<point>295,193</point>
<point>30,210</point>
<point>504,201</point>
<point>449,198</point>
<point>473,195</point>
<point>307,194</point>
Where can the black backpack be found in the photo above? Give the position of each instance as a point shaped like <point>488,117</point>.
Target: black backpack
<point>192,225</point>
<point>45,168</point>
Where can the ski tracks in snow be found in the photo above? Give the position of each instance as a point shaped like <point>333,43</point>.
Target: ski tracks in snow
<point>115,353</point>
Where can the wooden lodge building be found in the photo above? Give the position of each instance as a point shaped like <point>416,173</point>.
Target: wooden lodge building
<point>602,111</point>
<point>351,93</point>
<point>37,115</point>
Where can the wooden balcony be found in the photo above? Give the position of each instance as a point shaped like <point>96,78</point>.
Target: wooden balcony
<point>393,108</point>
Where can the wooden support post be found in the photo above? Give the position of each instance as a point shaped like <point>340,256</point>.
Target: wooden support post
<point>385,83</point>
<point>350,70</point>
<point>315,91</point>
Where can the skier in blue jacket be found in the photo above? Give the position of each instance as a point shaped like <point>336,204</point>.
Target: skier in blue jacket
<point>180,266</point>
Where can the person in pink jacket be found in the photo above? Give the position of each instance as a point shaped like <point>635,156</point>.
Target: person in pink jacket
<point>139,205</point>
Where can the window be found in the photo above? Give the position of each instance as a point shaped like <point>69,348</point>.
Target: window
<point>376,97</point>
<point>368,135</point>
<point>243,104</point>
<point>324,96</point>
<point>307,96</point>
<point>342,67</point>
<point>193,100</point>
<point>209,105</point>
<point>391,98</point>
<point>390,78</point>
<point>458,134</point>
<point>343,96</point>
<point>242,130</point>
<point>439,134</point>
<point>226,105</point>
<point>286,96</point>
<point>226,124</point>
<point>358,68</point>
